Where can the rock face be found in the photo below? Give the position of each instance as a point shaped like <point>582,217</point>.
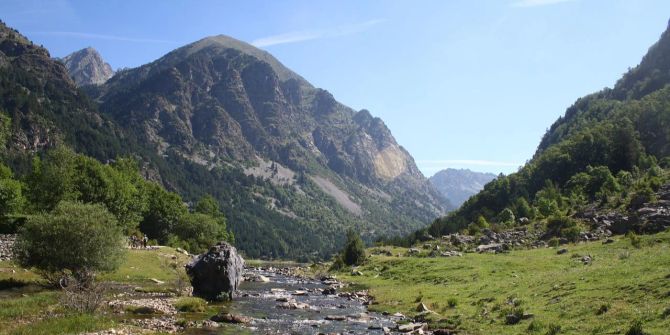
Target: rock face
<point>221,103</point>
<point>6,245</point>
<point>457,185</point>
<point>216,273</point>
<point>86,67</point>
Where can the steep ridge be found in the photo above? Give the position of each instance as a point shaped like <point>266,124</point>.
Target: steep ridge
<point>221,106</point>
<point>41,107</point>
<point>86,67</point>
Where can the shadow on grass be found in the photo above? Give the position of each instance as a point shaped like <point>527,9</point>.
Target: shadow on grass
<point>10,283</point>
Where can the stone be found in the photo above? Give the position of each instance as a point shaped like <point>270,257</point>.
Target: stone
<point>406,328</point>
<point>356,273</point>
<point>562,251</point>
<point>422,308</point>
<point>512,319</point>
<point>216,273</point>
<point>586,260</point>
<point>608,241</point>
<point>231,318</point>
<point>495,247</point>
<point>336,317</point>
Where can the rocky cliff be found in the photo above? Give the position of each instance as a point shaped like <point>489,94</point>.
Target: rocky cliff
<point>86,67</point>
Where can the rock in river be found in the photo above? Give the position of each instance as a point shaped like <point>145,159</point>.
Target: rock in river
<point>216,273</point>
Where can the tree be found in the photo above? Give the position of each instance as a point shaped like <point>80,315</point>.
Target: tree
<point>354,250</point>
<point>12,200</point>
<point>196,232</point>
<point>74,239</point>
<point>164,211</point>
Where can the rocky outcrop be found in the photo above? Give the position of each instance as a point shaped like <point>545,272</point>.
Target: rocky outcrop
<point>6,245</point>
<point>217,273</point>
<point>86,67</point>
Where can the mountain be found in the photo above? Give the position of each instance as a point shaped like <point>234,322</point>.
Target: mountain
<point>40,106</point>
<point>457,185</point>
<point>609,153</point>
<point>86,67</point>
<point>291,168</point>
<point>220,104</point>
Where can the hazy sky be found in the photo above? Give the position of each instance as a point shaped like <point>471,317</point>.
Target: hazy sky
<point>460,83</point>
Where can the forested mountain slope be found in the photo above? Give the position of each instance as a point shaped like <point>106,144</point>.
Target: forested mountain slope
<point>606,153</point>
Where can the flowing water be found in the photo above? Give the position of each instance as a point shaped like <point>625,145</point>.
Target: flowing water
<point>259,301</point>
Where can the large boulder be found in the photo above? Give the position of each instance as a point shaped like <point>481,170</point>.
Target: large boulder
<point>216,273</point>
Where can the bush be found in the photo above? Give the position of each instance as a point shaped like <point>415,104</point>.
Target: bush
<point>554,242</point>
<point>603,309</point>
<point>354,250</point>
<point>534,326</point>
<point>452,302</point>
<point>635,240</point>
<point>191,305</point>
<point>74,239</point>
<point>563,226</point>
<point>636,328</point>
<point>338,263</point>
<point>554,329</point>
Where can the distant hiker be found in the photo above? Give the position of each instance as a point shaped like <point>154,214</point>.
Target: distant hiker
<point>145,240</point>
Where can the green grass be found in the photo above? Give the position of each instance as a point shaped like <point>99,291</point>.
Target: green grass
<point>557,289</point>
<point>26,307</point>
<point>191,305</point>
<point>140,266</point>
<point>69,324</point>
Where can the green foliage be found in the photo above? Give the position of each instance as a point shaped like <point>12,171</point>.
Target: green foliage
<point>12,200</point>
<point>452,302</point>
<point>196,232</point>
<point>636,328</point>
<point>563,226</point>
<point>164,211</point>
<point>635,240</point>
<point>190,305</point>
<point>62,175</point>
<point>354,250</point>
<point>74,238</point>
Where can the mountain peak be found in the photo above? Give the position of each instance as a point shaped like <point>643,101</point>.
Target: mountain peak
<point>86,67</point>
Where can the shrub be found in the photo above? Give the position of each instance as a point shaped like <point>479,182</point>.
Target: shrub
<point>603,309</point>
<point>75,239</point>
<point>190,304</point>
<point>452,302</point>
<point>666,313</point>
<point>562,226</point>
<point>554,242</point>
<point>554,329</point>
<point>354,250</point>
<point>534,326</point>
<point>635,240</point>
<point>636,328</point>
<point>338,263</point>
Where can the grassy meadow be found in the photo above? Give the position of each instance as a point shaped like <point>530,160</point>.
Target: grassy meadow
<point>474,294</point>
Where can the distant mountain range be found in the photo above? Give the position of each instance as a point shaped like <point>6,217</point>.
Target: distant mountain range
<point>457,185</point>
<point>292,168</point>
<point>86,67</point>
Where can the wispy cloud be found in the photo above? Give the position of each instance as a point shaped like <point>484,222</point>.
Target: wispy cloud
<point>307,35</point>
<point>75,34</point>
<point>457,162</point>
<point>537,3</point>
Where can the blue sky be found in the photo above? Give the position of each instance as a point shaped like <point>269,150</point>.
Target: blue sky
<point>467,83</point>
